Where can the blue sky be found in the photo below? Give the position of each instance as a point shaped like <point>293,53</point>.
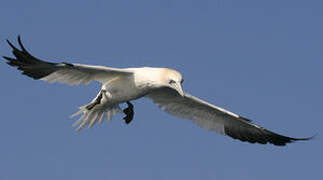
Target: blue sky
<point>260,59</point>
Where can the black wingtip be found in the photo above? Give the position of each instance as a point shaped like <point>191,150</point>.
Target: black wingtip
<point>7,58</point>
<point>281,140</point>
<point>303,139</point>
<point>20,44</point>
<point>308,138</point>
<point>11,45</point>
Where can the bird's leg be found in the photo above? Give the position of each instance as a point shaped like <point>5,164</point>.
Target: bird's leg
<point>129,113</point>
<point>96,101</point>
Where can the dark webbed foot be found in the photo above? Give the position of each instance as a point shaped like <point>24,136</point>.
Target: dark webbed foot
<point>129,113</point>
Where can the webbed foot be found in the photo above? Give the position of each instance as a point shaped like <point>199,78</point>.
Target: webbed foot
<point>129,113</point>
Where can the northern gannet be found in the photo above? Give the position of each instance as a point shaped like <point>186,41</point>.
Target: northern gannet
<point>122,85</point>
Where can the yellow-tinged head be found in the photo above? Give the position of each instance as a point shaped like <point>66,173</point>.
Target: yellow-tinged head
<point>156,78</point>
<point>173,79</point>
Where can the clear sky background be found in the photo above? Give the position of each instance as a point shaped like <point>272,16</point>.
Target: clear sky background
<point>260,59</point>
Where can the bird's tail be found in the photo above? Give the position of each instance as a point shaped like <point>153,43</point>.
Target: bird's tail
<point>92,115</point>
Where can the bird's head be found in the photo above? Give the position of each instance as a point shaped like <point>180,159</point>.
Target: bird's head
<point>173,79</point>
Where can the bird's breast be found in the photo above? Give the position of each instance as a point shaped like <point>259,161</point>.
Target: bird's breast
<point>123,90</point>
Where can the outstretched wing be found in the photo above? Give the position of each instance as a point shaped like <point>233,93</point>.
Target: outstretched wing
<point>215,118</point>
<point>72,74</point>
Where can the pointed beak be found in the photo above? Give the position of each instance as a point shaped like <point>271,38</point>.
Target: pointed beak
<point>179,89</point>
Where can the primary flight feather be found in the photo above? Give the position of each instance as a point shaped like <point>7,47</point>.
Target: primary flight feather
<point>121,85</point>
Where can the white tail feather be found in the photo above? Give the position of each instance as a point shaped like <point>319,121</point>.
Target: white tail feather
<point>79,120</point>
<point>77,113</point>
<point>90,117</point>
<point>101,118</point>
<point>95,118</point>
<point>109,116</point>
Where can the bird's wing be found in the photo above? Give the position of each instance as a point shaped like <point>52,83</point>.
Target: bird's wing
<point>215,118</point>
<point>72,74</point>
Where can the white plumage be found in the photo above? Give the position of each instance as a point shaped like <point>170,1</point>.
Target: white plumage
<point>162,85</point>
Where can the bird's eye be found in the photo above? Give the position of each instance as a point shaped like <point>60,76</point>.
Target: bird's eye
<point>171,82</point>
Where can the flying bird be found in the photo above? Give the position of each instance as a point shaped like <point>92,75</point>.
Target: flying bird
<point>123,85</point>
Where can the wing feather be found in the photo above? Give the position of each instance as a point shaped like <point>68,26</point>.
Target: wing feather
<point>72,74</point>
<point>215,118</point>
